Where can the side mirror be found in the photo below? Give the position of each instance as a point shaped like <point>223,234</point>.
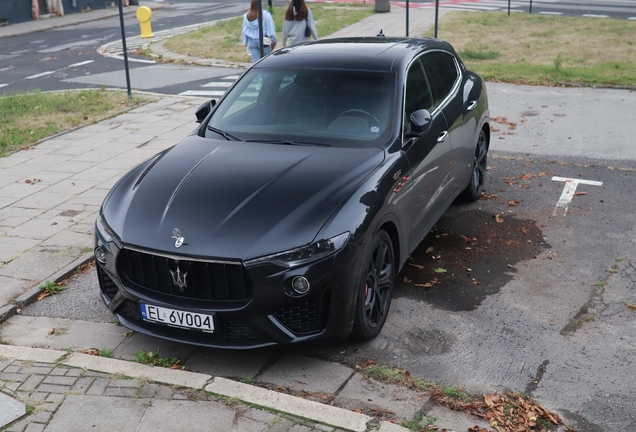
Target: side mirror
<point>420,122</point>
<point>203,111</point>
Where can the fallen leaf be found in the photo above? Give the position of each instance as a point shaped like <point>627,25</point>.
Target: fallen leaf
<point>357,410</point>
<point>43,295</point>
<point>631,306</point>
<point>513,203</point>
<point>417,266</point>
<point>51,331</point>
<point>407,280</point>
<point>430,249</point>
<point>440,270</point>
<point>498,218</point>
<point>580,193</point>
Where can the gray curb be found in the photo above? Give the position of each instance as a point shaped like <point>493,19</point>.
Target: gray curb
<point>258,396</point>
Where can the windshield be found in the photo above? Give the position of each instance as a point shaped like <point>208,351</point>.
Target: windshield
<point>308,107</point>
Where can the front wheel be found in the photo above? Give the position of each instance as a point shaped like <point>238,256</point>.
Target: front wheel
<point>375,288</point>
<point>476,186</point>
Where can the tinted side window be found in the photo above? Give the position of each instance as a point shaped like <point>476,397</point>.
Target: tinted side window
<point>443,72</point>
<point>418,91</point>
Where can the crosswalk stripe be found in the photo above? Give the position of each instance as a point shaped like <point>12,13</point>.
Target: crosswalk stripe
<point>210,93</point>
<point>467,6</point>
<point>550,13</point>
<point>218,84</point>
<point>231,77</point>
<point>595,16</point>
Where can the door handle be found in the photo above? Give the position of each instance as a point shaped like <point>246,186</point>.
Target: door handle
<point>442,136</point>
<point>471,105</point>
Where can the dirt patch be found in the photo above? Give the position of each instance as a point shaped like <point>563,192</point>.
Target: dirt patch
<point>468,256</point>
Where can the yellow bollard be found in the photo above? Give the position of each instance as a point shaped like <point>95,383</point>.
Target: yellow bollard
<point>143,15</point>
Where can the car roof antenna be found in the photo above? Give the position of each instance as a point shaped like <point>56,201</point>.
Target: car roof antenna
<point>380,34</point>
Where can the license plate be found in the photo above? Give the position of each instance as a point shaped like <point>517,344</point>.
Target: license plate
<point>177,318</point>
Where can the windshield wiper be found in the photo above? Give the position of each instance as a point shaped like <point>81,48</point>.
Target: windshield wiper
<point>228,136</point>
<point>289,142</point>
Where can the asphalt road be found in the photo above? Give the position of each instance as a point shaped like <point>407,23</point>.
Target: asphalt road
<point>514,292</point>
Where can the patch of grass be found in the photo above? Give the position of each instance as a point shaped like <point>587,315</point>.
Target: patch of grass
<point>599,284</point>
<point>588,318</point>
<point>29,117</point>
<point>4,341</point>
<point>59,331</point>
<point>455,393</point>
<point>538,49</point>
<point>50,287</point>
<point>29,409</point>
<point>152,358</point>
<point>419,422</point>
<point>246,379</point>
<point>620,259</point>
<point>106,352</point>
<point>223,40</point>
<point>612,271</point>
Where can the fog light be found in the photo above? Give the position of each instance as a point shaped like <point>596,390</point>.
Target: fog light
<point>100,255</point>
<point>300,285</point>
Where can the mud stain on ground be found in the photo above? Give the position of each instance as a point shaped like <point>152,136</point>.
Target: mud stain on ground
<point>468,256</point>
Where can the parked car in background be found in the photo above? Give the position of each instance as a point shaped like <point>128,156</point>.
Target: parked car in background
<point>287,214</point>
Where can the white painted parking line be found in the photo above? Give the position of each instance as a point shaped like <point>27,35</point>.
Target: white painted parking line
<point>3,85</point>
<point>81,63</point>
<point>40,75</point>
<point>568,192</point>
<point>595,16</point>
<point>550,13</point>
<point>632,18</point>
<point>231,77</point>
<point>211,93</point>
<point>218,84</point>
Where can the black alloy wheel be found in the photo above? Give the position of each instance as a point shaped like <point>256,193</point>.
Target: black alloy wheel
<point>477,178</point>
<point>376,287</point>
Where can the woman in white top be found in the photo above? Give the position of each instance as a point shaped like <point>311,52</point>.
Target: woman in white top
<point>299,23</point>
<point>250,31</point>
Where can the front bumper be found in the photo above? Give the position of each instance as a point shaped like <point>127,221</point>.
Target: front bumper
<point>262,311</point>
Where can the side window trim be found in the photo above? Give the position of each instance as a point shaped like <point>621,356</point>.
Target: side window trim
<point>457,82</point>
<point>426,76</point>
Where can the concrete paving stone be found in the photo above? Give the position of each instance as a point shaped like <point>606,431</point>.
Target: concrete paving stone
<point>35,397</point>
<point>40,229</point>
<point>38,369</point>
<point>83,384</point>
<point>120,392</point>
<point>259,415</point>
<point>35,427</point>
<point>161,143</point>
<point>135,139</point>
<point>366,394</point>
<point>164,392</point>
<point>7,179</point>
<point>73,167</point>
<point>14,368</point>
<point>244,424</point>
<point>87,227</point>
<point>280,425</point>
<point>72,185</point>
<point>13,246</point>
<point>31,382</point>
<point>43,200</point>
<point>48,178</point>
<point>54,398</point>
<point>61,380</point>
<point>304,373</point>
<point>41,417</point>
<point>11,386</point>
<point>69,238</point>
<point>124,383</point>
<point>13,377</point>
<point>67,372</point>
<point>11,409</point>
<point>228,363</point>
<point>20,189</point>
<point>32,331</point>
<point>192,416</point>
<point>139,155</point>
<point>22,171</point>
<point>53,388</point>
<point>135,343</point>
<point>48,159</point>
<point>11,288</point>
<point>453,420</point>
<point>98,174</point>
<point>148,390</point>
<point>6,363</point>
<point>98,387</point>
<point>299,428</point>
<point>39,263</point>
<point>81,412</point>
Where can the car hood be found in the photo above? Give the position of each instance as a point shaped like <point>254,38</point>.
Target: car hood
<point>232,199</point>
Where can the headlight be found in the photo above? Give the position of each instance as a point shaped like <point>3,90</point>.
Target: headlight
<point>304,255</point>
<point>104,231</point>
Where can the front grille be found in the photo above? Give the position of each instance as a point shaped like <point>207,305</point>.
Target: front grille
<point>108,286</point>
<point>200,280</point>
<point>235,329</point>
<point>302,318</point>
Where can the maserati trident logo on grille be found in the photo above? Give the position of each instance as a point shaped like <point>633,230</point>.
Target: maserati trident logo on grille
<point>178,239</point>
<point>179,279</point>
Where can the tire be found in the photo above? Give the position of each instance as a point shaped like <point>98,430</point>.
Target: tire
<point>478,174</point>
<point>375,288</point>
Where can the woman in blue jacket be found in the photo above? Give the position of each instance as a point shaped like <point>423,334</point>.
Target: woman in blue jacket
<point>250,32</point>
